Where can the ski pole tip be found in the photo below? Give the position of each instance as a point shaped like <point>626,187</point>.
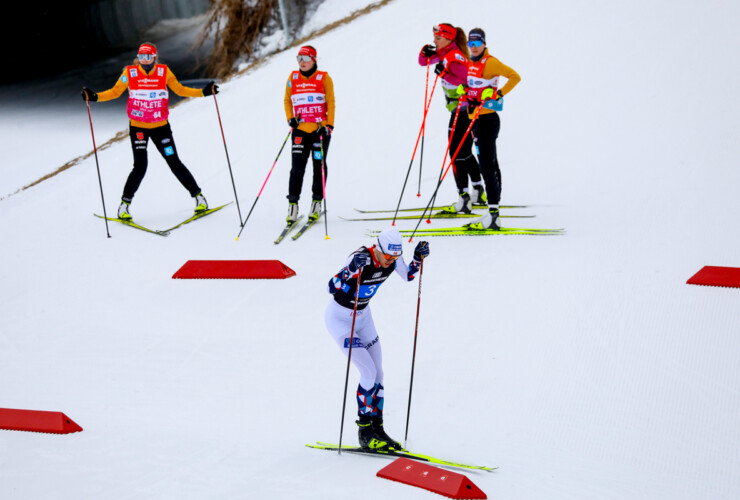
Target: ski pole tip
<point>327,237</point>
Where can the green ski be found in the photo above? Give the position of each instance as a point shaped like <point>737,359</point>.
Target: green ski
<point>400,453</point>
<point>198,216</point>
<point>288,227</point>
<point>439,215</point>
<point>470,230</point>
<point>305,227</point>
<point>131,223</point>
<point>442,207</point>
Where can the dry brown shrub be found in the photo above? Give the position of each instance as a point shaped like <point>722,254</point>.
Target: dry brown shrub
<point>235,26</point>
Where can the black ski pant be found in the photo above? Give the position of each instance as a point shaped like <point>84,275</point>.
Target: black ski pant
<point>165,144</point>
<point>465,164</point>
<point>485,131</point>
<point>307,144</point>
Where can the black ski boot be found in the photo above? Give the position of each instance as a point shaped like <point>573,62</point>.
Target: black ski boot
<point>377,424</point>
<point>372,435</point>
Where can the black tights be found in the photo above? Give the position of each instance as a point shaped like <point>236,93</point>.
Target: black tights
<point>165,144</point>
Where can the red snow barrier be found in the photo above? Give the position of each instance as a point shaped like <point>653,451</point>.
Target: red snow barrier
<point>54,422</point>
<point>428,477</point>
<point>234,270</point>
<point>717,276</point>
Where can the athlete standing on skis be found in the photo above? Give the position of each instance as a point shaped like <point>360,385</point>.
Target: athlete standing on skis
<point>450,56</point>
<point>148,110</point>
<point>309,107</point>
<point>371,267</point>
<point>482,89</point>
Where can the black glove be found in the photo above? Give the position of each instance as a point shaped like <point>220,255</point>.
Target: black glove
<point>499,95</point>
<point>358,261</point>
<point>422,250</point>
<point>439,69</point>
<point>210,89</point>
<point>293,122</point>
<point>428,50</point>
<point>473,103</point>
<point>89,95</point>
<point>325,131</point>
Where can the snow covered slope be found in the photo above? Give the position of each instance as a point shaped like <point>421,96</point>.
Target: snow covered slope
<point>581,365</point>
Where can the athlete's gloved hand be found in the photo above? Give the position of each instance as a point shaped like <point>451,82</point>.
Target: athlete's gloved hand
<point>210,89</point>
<point>358,261</point>
<point>440,69</point>
<point>473,103</point>
<point>461,89</point>
<point>325,131</point>
<point>499,94</point>
<point>89,95</point>
<point>293,122</point>
<point>428,50</point>
<point>422,250</point>
<point>487,94</point>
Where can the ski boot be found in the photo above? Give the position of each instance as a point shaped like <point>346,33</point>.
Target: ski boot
<point>488,221</point>
<point>201,205</point>
<point>123,211</point>
<point>372,435</point>
<point>292,213</point>
<point>315,212</point>
<point>461,206</point>
<point>479,195</point>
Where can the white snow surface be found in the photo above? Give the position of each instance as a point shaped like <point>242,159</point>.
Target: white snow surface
<point>582,365</point>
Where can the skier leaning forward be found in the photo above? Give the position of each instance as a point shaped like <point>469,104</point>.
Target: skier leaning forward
<point>371,266</point>
<point>148,110</point>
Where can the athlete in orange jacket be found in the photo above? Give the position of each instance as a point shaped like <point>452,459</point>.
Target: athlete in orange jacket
<point>482,89</point>
<point>309,108</point>
<point>148,111</point>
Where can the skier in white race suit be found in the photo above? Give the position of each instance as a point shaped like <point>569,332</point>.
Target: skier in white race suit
<point>371,267</point>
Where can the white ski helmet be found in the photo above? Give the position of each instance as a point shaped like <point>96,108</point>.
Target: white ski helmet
<point>389,242</point>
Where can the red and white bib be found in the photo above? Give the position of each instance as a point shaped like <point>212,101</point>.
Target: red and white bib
<point>148,97</point>
<point>476,83</point>
<point>308,96</point>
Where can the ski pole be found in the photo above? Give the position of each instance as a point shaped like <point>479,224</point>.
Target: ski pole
<point>349,359</point>
<point>323,185</point>
<point>97,165</point>
<point>423,131</point>
<point>228,161</point>
<point>264,183</point>
<point>423,122</point>
<point>413,357</point>
<point>452,161</point>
